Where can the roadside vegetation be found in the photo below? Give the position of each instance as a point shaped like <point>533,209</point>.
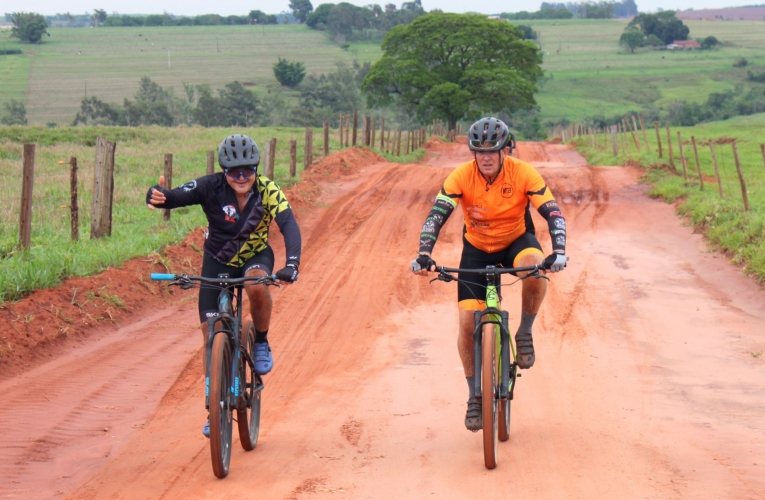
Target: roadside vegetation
<point>740,234</point>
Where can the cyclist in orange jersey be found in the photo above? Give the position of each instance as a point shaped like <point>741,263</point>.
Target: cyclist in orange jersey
<point>496,191</point>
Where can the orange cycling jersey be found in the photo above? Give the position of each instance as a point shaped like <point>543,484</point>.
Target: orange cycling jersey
<point>496,213</point>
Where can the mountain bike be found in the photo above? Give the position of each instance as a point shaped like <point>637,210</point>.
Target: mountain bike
<point>495,367</point>
<point>231,384</point>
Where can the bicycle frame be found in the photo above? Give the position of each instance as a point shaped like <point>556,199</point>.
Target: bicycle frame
<point>493,314</point>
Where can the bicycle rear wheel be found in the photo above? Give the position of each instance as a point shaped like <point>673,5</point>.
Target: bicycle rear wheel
<point>220,413</point>
<point>248,410</point>
<point>489,371</point>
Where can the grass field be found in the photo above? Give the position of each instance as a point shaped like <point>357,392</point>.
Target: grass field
<point>725,222</point>
<point>136,231</point>
<point>108,62</point>
<point>591,74</point>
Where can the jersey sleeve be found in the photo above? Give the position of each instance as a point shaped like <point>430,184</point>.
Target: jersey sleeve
<point>191,193</point>
<point>275,202</point>
<point>446,201</point>
<point>542,198</point>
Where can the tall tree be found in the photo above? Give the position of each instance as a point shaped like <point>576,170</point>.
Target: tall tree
<point>662,24</point>
<point>445,65</point>
<point>29,27</point>
<point>99,16</point>
<point>301,9</point>
<point>632,39</point>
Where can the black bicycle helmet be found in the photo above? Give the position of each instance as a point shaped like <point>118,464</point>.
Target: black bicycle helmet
<point>489,134</point>
<point>238,150</point>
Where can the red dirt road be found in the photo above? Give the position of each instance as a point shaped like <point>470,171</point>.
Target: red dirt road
<point>647,382</point>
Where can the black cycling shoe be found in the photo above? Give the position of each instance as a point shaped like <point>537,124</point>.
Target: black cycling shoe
<point>525,345</point>
<point>474,417</point>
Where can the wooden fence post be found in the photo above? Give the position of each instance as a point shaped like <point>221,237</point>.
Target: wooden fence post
<point>210,162</point>
<point>658,138</point>
<point>168,179</point>
<point>717,171</point>
<point>682,156</point>
<point>27,184</point>
<point>347,130</point>
<point>645,137</point>
<point>326,138</point>
<point>613,139</point>
<point>698,165</point>
<point>308,154</point>
<point>382,133</point>
<point>634,133</point>
<point>355,125</point>
<point>272,158</point>
<point>740,176</point>
<point>265,155</point>
<point>367,130</point>
<point>103,189</point>
<point>293,158</point>
<point>73,203</point>
<point>341,131</point>
<point>762,150</point>
<point>669,150</point>
<point>374,131</point>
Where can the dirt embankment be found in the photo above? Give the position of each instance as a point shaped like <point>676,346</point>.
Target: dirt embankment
<point>36,328</point>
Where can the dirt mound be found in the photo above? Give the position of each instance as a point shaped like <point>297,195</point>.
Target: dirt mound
<point>434,142</point>
<point>337,165</point>
<point>38,326</point>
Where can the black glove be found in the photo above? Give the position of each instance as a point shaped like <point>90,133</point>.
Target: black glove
<point>289,274</point>
<point>422,262</point>
<point>555,262</point>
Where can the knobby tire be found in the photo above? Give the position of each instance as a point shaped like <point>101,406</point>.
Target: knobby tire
<point>248,409</point>
<point>489,385</point>
<point>220,413</point>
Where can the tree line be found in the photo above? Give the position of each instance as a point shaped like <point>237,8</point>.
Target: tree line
<point>582,10</point>
<point>346,22</point>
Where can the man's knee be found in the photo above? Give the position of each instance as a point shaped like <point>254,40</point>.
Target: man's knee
<point>528,257</point>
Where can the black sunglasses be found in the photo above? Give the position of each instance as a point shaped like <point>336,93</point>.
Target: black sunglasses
<point>240,172</point>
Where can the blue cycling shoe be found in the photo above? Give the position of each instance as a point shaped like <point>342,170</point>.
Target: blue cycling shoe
<point>206,429</point>
<point>264,362</point>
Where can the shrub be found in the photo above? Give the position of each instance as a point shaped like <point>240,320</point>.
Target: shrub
<point>289,74</point>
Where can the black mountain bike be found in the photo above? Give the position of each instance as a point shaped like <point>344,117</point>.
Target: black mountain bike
<point>495,359</point>
<point>231,384</point>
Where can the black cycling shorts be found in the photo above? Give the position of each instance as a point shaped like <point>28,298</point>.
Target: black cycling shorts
<point>211,268</point>
<point>473,286</point>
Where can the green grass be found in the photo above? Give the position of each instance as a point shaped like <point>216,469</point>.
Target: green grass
<point>729,228</point>
<point>110,61</point>
<point>591,74</point>
<point>136,231</point>
<point>14,68</point>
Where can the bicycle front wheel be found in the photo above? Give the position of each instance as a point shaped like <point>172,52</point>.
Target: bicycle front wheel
<point>489,385</point>
<point>248,411</point>
<point>220,413</point>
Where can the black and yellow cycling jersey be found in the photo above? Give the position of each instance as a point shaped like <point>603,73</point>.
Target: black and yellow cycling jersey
<point>234,236</point>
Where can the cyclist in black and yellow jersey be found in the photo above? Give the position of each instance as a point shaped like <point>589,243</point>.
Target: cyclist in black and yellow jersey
<point>240,205</point>
<point>496,192</point>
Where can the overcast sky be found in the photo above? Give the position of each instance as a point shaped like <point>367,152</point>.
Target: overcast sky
<point>194,7</point>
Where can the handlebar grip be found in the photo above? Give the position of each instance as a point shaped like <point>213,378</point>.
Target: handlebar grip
<point>162,277</point>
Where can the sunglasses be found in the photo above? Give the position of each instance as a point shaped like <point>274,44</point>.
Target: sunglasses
<point>240,172</point>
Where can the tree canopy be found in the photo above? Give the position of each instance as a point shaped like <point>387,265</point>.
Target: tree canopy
<point>289,74</point>
<point>632,39</point>
<point>29,27</point>
<point>662,24</point>
<point>301,9</point>
<point>445,65</point>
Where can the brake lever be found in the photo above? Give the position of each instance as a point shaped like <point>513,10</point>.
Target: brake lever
<point>444,277</point>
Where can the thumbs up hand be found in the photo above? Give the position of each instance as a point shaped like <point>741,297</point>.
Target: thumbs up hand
<point>157,198</point>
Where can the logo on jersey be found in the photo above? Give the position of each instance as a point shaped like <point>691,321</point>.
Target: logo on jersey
<point>231,215</point>
<point>507,191</point>
<point>560,223</point>
<point>189,186</point>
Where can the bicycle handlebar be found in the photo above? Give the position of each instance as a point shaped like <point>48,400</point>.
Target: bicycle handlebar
<point>496,270</point>
<point>214,281</point>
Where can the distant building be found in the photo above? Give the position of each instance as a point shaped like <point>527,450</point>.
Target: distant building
<point>684,45</point>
